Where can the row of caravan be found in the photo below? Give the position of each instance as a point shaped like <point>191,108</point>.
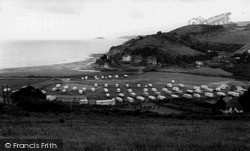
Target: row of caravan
<point>103,77</point>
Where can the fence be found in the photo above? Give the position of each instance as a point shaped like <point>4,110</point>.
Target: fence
<point>6,95</point>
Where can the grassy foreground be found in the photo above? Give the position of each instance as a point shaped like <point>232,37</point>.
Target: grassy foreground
<point>94,131</point>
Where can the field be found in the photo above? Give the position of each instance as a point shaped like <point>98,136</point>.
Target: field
<point>210,71</point>
<point>92,131</point>
<point>16,83</point>
<point>189,80</point>
<point>204,71</point>
<point>158,79</point>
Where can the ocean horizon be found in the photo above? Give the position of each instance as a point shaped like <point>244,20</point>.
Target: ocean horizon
<point>25,53</point>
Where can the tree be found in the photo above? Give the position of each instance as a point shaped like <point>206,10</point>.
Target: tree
<point>220,104</point>
<point>27,98</point>
<point>159,33</point>
<point>25,93</point>
<point>32,99</point>
<point>244,101</point>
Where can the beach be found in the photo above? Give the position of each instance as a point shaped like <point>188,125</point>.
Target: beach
<point>54,70</point>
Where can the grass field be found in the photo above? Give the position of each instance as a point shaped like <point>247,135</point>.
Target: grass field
<point>100,132</point>
<point>158,79</point>
<point>16,83</point>
<point>204,71</point>
<point>210,71</point>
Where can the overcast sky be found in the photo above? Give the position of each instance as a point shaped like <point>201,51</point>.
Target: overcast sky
<point>81,19</point>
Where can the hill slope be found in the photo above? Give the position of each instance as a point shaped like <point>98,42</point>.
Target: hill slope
<point>163,42</point>
<point>182,45</point>
<point>228,34</point>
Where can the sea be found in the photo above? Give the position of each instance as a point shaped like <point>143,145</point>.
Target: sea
<point>23,53</point>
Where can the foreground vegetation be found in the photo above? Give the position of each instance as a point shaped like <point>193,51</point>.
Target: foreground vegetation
<point>95,131</point>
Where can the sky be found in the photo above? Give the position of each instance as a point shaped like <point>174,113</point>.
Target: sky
<point>84,19</point>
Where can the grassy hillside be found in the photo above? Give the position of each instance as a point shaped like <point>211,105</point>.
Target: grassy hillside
<point>162,41</point>
<point>238,37</point>
<point>227,34</point>
<point>232,39</point>
<point>194,42</point>
<point>198,30</point>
